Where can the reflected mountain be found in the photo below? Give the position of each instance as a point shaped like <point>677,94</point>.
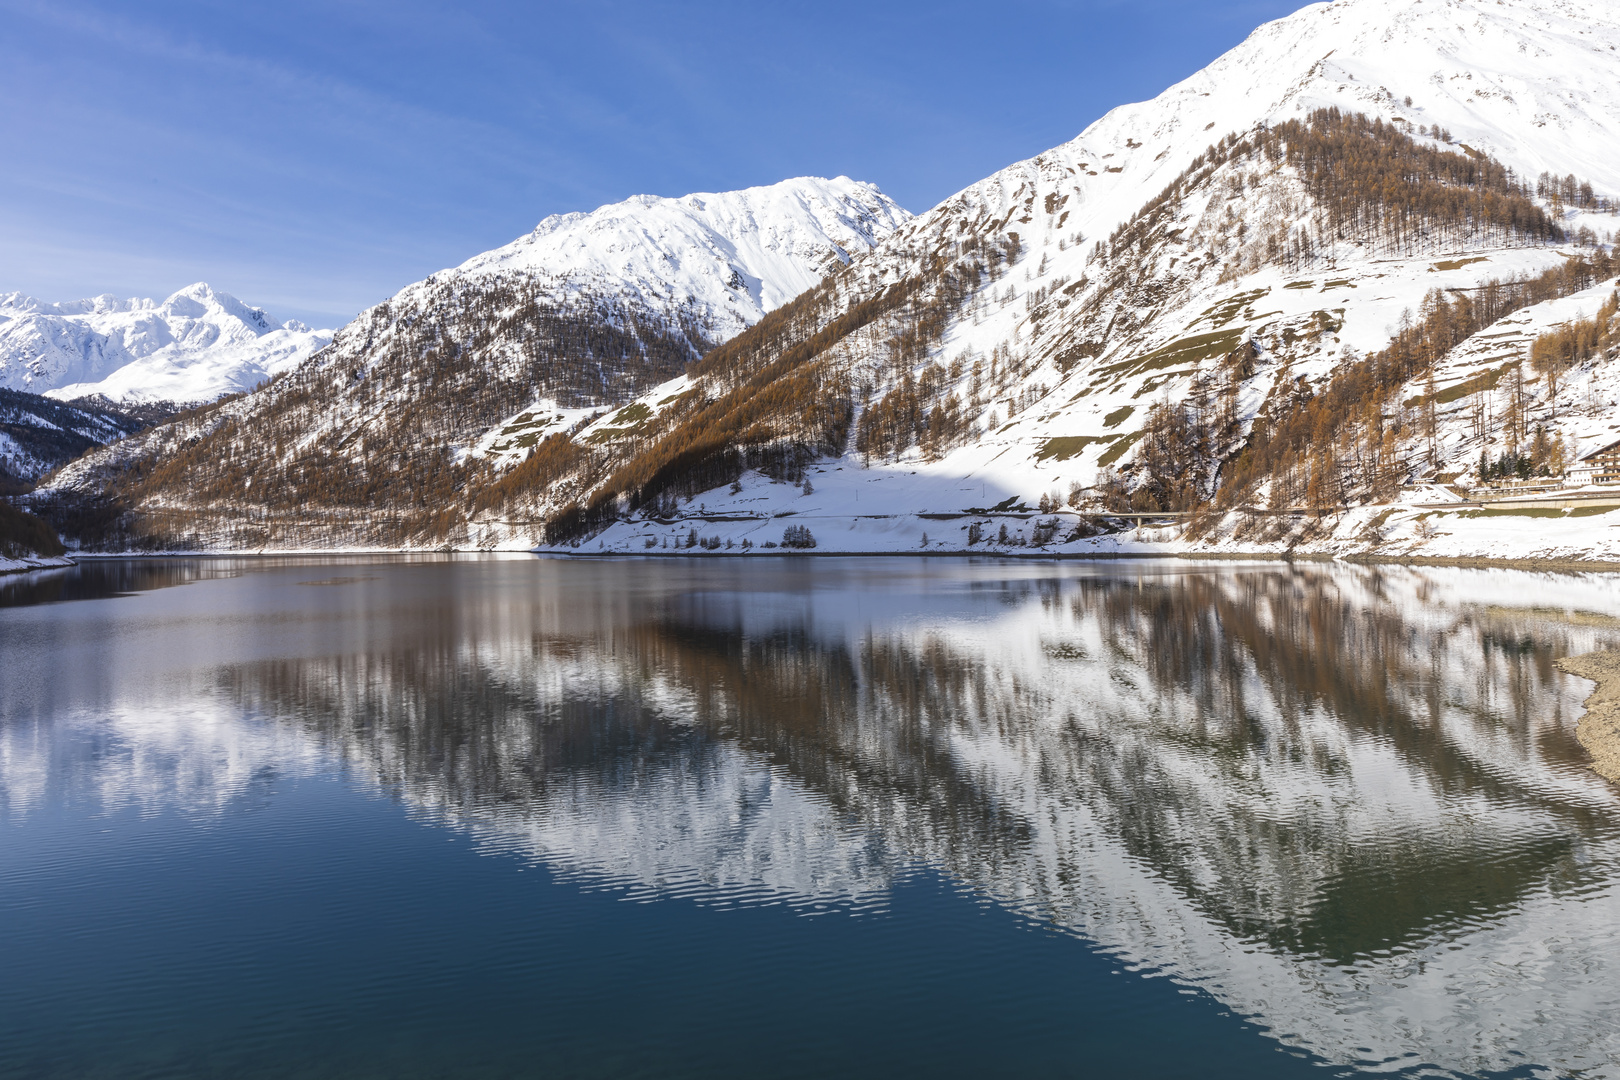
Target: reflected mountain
<point>1347,802</point>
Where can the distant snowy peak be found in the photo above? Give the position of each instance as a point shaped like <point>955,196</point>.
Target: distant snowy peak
<point>735,254</point>
<point>195,302</point>
<point>203,304</point>
<point>16,303</point>
<point>196,345</point>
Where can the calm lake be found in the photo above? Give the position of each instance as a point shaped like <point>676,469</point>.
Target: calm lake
<point>509,816</point>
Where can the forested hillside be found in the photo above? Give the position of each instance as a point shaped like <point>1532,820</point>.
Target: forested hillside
<point>38,434</point>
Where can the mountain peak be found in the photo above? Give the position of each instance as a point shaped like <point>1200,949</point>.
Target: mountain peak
<point>730,256</point>
<point>200,300</point>
<point>1530,83</point>
<point>196,345</point>
<point>1526,81</point>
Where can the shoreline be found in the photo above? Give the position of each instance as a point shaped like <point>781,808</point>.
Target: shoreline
<point>1605,566</point>
<point>1530,564</point>
<point>1598,729</point>
<point>30,564</point>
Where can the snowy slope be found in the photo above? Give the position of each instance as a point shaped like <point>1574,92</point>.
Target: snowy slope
<point>694,271</point>
<point>721,261</point>
<point>37,434</point>
<point>196,345</point>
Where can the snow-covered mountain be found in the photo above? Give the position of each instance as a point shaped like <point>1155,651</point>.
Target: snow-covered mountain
<point>583,314</point>
<point>1529,82</point>
<point>194,346</point>
<point>37,434</point>
<point>592,308</point>
<point>1213,249</point>
<point>719,260</point>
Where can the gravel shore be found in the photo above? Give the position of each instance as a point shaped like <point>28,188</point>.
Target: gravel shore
<point>1599,729</point>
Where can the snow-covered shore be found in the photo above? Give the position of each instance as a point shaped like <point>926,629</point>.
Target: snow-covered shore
<point>1415,534</point>
<point>32,562</point>
<point>891,511</point>
<point>896,510</point>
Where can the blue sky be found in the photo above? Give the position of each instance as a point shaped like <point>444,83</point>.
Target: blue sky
<point>314,157</point>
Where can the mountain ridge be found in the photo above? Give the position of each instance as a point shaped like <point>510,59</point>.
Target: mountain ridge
<point>195,345</point>
<point>1017,340</point>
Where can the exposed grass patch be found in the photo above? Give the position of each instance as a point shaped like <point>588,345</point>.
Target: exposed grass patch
<point>521,425</point>
<point>1338,283</point>
<point>1485,380</point>
<point>1010,505</point>
<point>607,435</point>
<point>1151,384</point>
<point>1233,306</point>
<point>1189,350</point>
<point>1064,447</point>
<point>1118,450</point>
<point>631,414</point>
<point>1593,511</point>
<point>1118,416</point>
<point>623,424</point>
<point>1458,264</point>
<point>1300,285</point>
<point>1378,521</point>
<point>1578,618</point>
<point>1065,650</point>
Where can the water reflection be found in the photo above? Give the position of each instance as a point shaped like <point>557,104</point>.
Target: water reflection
<point>1346,801</point>
<point>101,579</point>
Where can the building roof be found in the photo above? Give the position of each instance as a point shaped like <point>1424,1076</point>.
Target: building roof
<point>1602,450</point>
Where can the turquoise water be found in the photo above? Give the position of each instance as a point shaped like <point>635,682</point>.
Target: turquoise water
<point>800,817</point>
